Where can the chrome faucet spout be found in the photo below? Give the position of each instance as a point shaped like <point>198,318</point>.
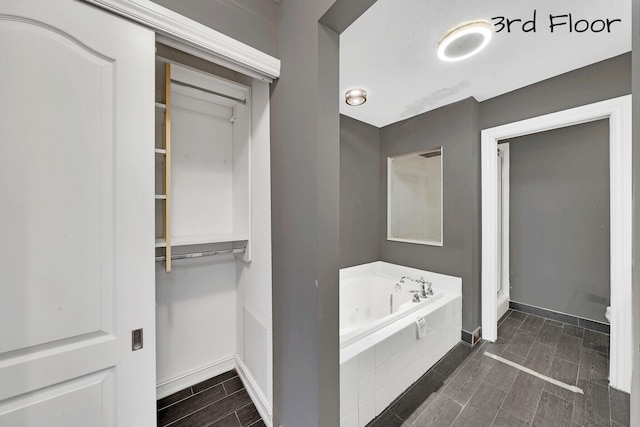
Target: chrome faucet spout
<point>425,287</point>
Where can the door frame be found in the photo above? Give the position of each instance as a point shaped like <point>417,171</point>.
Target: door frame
<point>618,112</point>
<point>503,306</point>
<point>187,35</point>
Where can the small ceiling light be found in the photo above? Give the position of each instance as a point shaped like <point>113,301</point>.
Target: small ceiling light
<point>355,97</point>
<point>464,40</point>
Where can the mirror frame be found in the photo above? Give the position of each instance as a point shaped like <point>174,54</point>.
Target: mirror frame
<point>390,159</point>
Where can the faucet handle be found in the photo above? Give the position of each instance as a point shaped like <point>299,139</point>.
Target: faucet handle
<point>429,290</point>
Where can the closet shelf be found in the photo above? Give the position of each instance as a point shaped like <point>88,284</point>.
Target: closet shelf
<point>161,105</point>
<point>161,197</point>
<point>160,151</point>
<point>202,240</point>
<point>212,238</point>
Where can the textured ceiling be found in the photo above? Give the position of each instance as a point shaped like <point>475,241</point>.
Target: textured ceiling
<point>390,51</point>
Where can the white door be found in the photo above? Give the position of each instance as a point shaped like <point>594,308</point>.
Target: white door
<point>76,217</point>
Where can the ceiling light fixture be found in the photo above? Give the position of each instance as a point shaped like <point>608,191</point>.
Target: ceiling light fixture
<point>464,40</point>
<point>355,97</point>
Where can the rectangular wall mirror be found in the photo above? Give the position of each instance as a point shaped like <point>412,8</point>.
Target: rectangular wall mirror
<point>414,197</point>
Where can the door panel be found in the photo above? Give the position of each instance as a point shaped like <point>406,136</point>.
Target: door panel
<point>56,169</point>
<point>58,405</point>
<point>76,182</point>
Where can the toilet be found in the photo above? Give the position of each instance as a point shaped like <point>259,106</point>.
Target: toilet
<point>607,314</point>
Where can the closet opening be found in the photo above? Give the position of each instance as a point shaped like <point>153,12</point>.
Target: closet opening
<point>213,297</point>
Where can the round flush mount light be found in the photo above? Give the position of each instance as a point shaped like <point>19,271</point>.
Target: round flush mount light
<point>355,97</point>
<point>464,40</point>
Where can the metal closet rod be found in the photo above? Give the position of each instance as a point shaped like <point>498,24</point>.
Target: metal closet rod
<point>201,89</point>
<point>202,254</point>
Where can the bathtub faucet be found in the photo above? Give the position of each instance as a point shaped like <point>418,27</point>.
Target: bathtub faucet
<point>425,287</point>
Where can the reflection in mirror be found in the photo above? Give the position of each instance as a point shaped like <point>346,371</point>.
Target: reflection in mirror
<point>415,197</point>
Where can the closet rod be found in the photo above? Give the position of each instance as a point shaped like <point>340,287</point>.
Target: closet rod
<point>179,83</point>
<point>202,254</point>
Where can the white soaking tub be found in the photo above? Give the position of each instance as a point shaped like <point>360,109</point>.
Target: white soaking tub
<point>380,352</point>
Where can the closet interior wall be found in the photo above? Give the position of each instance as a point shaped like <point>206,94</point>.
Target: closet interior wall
<point>213,313</point>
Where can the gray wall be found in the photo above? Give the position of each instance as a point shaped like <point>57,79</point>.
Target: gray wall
<point>359,192</point>
<point>455,128</point>
<point>460,255</point>
<point>305,170</point>
<point>635,383</point>
<point>253,22</point>
<point>559,220</point>
<point>603,80</point>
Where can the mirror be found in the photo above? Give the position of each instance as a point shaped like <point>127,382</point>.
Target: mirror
<point>415,197</point>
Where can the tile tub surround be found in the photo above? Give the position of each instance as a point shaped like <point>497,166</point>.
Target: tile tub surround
<point>379,368</point>
<point>468,388</point>
<point>221,401</point>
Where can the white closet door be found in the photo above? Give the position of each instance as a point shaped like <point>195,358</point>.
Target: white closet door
<point>76,217</point>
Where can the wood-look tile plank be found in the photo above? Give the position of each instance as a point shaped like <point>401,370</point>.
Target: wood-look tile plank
<point>214,412</point>
<point>594,367</point>
<point>548,321</point>
<point>174,398</point>
<point>569,348</point>
<point>532,324</point>
<point>565,372</point>
<point>524,396</point>
<point>540,357</point>
<point>229,421</point>
<point>518,315</point>
<point>596,341</point>
<point>573,331</point>
<point>258,424</point>
<point>419,396</point>
<point>502,376</point>
<point>549,333</point>
<point>487,399</point>
<point>472,417</point>
<point>442,412</point>
<point>233,385</point>
<point>214,381</point>
<point>454,359</point>
<point>508,328</point>
<point>507,419</point>
<point>620,407</point>
<point>552,412</point>
<point>497,348</point>
<point>387,419</point>
<point>504,316</point>
<point>592,407</point>
<point>466,381</point>
<point>512,357</point>
<point>521,343</point>
<point>248,415</point>
<point>191,404</point>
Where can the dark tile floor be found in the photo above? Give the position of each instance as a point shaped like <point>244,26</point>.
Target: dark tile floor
<point>221,401</point>
<point>468,388</point>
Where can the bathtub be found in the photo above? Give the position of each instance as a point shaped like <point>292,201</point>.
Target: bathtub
<point>380,352</point>
<point>373,300</point>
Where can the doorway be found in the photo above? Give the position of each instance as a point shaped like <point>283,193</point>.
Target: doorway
<point>618,112</point>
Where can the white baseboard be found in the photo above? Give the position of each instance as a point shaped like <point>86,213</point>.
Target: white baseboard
<point>258,398</point>
<point>183,381</point>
